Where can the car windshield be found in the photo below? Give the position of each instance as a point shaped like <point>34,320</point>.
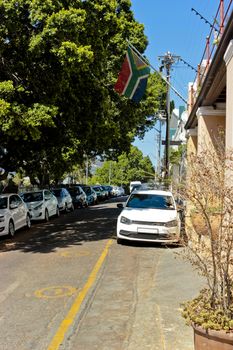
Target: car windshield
<point>87,190</point>
<point>33,197</point>
<point>3,202</point>
<point>57,193</point>
<point>73,191</point>
<point>150,201</point>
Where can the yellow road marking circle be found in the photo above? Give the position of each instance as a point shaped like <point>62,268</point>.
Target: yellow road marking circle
<point>55,292</point>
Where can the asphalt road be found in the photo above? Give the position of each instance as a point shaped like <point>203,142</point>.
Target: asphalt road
<point>68,285</point>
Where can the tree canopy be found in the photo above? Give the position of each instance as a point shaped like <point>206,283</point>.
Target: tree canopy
<point>128,167</point>
<point>59,62</point>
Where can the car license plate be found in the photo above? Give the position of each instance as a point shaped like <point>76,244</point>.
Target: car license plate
<point>147,230</point>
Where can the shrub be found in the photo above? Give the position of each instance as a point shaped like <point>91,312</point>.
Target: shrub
<point>209,228</point>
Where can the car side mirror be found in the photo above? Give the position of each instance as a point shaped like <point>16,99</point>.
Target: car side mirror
<point>120,205</point>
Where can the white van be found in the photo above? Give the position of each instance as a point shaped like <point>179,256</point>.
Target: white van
<point>133,185</point>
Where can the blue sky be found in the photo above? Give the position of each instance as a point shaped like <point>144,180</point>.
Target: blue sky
<point>170,25</point>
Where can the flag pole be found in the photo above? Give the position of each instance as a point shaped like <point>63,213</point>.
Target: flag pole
<point>161,75</point>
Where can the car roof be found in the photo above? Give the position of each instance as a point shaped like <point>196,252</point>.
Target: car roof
<point>158,192</point>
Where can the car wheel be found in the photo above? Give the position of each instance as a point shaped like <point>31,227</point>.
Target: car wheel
<point>57,212</point>
<point>11,229</point>
<point>66,208</point>
<point>28,221</point>
<point>72,207</point>
<point>120,241</point>
<point>46,215</point>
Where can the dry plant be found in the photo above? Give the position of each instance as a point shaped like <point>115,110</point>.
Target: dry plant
<point>209,229</point>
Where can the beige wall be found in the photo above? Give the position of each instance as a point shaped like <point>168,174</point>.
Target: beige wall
<point>191,145</point>
<point>211,128</point>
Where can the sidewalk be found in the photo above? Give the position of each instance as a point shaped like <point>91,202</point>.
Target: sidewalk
<point>137,303</point>
<point>158,322</point>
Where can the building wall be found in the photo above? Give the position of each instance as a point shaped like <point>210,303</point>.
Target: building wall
<point>211,128</point>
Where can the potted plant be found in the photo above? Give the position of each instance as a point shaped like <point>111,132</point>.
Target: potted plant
<point>209,230</point>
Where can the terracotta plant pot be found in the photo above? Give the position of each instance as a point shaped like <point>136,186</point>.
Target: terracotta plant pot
<point>212,340</point>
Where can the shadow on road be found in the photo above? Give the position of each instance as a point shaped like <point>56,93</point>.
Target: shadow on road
<point>91,224</point>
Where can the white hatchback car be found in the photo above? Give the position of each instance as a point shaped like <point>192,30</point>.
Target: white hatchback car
<point>14,214</point>
<point>149,215</point>
<point>41,204</point>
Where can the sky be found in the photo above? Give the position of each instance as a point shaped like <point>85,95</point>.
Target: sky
<point>171,25</point>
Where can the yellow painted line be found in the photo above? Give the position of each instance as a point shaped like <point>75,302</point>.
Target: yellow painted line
<point>161,330</point>
<point>70,317</point>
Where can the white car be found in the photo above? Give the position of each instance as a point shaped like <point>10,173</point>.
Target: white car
<point>14,214</point>
<point>65,202</point>
<point>42,204</point>
<point>118,191</point>
<point>149,215</point>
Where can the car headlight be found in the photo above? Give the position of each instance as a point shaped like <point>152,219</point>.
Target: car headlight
<point>171,223</point>
<point>2,218</point>
<point>125,220</point>
<point>38,207</point>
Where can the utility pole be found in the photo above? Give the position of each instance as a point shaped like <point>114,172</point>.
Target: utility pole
<point>166,62</point>
<point>161,117</point>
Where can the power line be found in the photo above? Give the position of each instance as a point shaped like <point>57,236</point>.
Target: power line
<point>204,19</point>
<point>160,73</point>
<point>189,65</point>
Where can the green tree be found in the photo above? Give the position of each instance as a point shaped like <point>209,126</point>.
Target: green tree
<point>59,62</point>
<point>176,154</point>
<point>128,167</point>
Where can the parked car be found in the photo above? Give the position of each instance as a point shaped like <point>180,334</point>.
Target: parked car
<point>65,202</point>
<point>108,189</point>
<point>149,215</point>
<point>14,214</point>
<point>118,191</point>
<point>101,194</point>
<point>91,195</point>
<point>78,195</point>
<point>134,185</point>
<point>42,204</point>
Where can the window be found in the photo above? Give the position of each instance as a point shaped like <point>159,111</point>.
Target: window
<point>32,197</point>
<point>3,202</point>
<point>150,201</point>
<point>15,200</point>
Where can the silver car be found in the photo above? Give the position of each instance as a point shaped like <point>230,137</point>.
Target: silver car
<point>64,199</point>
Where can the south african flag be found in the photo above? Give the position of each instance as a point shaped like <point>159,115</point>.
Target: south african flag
<point>132,79</point>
